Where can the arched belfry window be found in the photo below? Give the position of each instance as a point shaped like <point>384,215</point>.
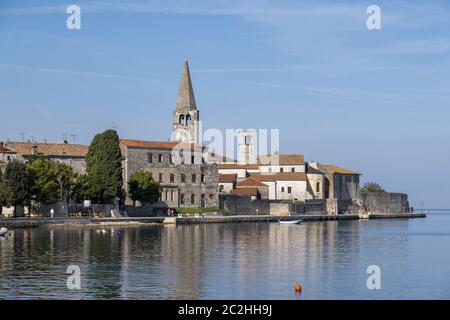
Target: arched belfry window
<point>318,187</point>
<point>188,119</point>
<point>182,119</point>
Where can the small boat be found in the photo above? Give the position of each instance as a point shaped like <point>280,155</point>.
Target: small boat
<point>3,231</point>
<point>290,221</point>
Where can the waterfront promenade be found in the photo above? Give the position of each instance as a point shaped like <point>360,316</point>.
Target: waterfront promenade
<point>38,222</point>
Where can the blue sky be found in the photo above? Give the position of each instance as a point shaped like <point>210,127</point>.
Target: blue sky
<point>377,102</point>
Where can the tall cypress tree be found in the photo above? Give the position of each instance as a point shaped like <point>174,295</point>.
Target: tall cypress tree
<point>104,167</point>
<point>18,184</point>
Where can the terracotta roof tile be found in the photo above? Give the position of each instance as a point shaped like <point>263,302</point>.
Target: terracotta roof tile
<point>238,166</point>
<point>227,178</point>
<point>280,176</point>
<point>156,144</point>
<point>250,191</point>
<point>48,149</point>
<point>4,149</point>
<point>336,169</point>
<point>250,182</point>
<point>281,159</point>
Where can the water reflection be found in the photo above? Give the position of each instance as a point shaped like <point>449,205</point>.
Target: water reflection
<point>211,261</point>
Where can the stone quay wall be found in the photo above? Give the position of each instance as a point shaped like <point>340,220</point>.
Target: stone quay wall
<point>384,202</point>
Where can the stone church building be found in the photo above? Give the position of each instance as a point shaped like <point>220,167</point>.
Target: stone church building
<point>187,179</point>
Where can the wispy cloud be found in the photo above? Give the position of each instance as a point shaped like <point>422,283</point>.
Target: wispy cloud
<point>80,73</point>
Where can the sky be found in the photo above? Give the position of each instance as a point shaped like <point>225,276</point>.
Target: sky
<point>374,101</point>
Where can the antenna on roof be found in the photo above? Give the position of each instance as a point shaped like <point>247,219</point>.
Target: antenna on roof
<point>23,136</point>
<point>74,137</point>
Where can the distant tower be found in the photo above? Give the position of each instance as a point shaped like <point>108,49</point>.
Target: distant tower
<point>185,116</point>
<point>246,147</point>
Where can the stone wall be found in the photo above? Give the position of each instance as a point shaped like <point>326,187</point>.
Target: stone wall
<point>384,202</point>
<point>238,205</point>
<point>309,207</point>
<point>176,193</point>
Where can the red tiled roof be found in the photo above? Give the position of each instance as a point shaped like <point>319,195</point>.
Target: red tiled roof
<point>4,149</point>
<point>237,166</point>
<point>336,169</point>
<point>227,178</point>
<point>250,182</point>
<point>48,149</point>
<point>280,176</point>
<point>157,144</point>
<point>281,159</point>
<point>250,191</point>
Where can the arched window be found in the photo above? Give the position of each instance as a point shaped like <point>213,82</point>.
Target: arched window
<point>318,187</point>
<point>182,119</point>
<point>192,198</point>
<point>172,177</point>
<point>188,119</point>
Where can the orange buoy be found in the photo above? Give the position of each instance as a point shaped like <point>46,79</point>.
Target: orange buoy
<point>298,288</point>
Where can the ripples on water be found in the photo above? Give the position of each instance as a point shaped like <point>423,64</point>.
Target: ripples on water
<point>232,261</point>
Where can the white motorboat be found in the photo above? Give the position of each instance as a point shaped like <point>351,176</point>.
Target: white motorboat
<point>3,231</point>
<point>290,221</point>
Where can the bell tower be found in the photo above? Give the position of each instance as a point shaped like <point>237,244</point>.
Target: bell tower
<point>185,116</point>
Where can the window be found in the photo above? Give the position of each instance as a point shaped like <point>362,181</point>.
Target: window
<point>170,158</point>
<point>182,198</point>
<point>202,200</point>
<point>292,169</point>
<point>318,187</point>
<point>192,160</point>
<point>281,169</point>
<point>160,177</point>
<point>247,140</point>
<point>289,190</point>
<point>167,197</point>
<point>171,195</point>
<point>221,188</point>
<point>211,196</point>
<point>150,158</point>
<point>181,120</point>
<point>183,178</point>
<point>192,198</point>
<point>172,178</point>
<point>282,189</point>
<point>202,178</point>
<point>160,158</point>
<point>194,178</point>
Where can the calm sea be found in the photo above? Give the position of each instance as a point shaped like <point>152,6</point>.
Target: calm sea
<point>232,261</point>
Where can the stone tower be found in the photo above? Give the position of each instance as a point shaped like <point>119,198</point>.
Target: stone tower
<point>185,116</point>
<point>246,147</point>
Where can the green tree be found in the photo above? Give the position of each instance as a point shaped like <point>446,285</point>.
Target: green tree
<point>104,167</point>
<point>372,187</point>
<point>45,186</point>
<point>3,196</point>
<point>79,192</point>
<point>143,188</point>
<point>65,177</point>
<point>18,184</point>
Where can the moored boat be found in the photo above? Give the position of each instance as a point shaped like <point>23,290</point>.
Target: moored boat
<point>3,231</point>
<point>290,221</point>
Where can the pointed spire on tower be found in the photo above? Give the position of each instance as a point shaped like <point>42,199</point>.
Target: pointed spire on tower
<point>185,98</point>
